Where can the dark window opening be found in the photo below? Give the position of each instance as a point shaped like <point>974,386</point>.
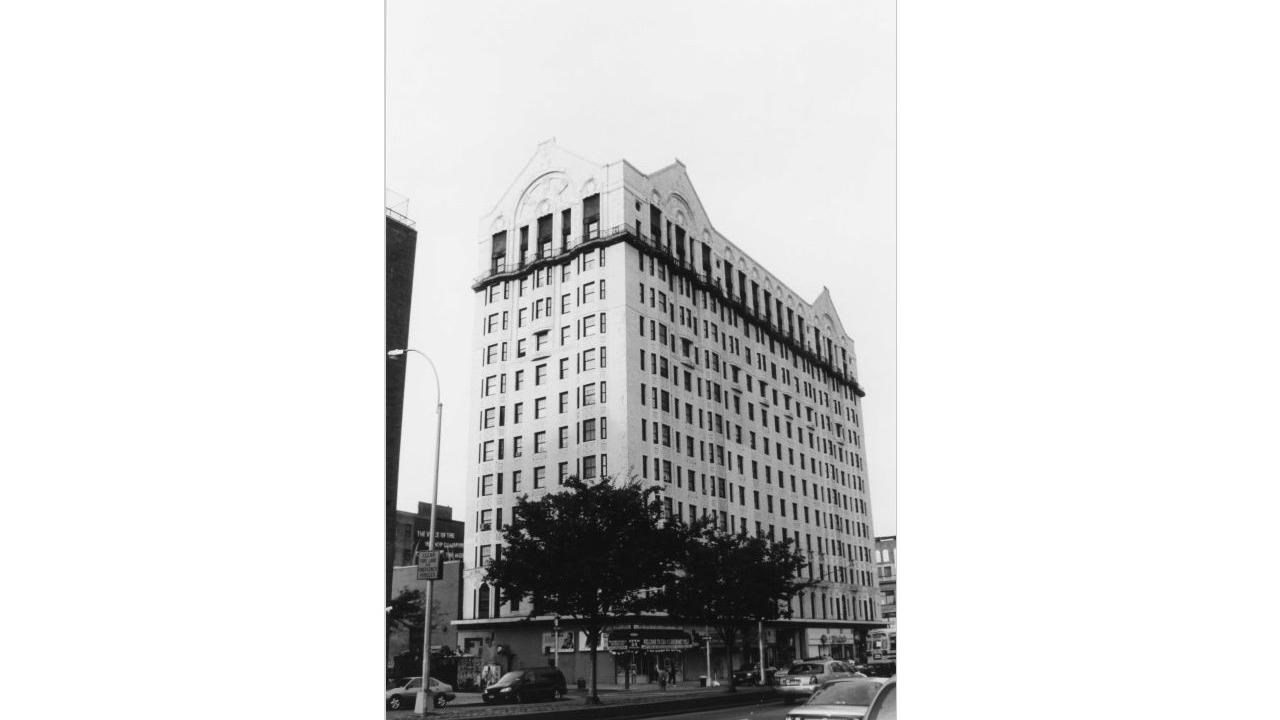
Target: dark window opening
<point>544,236</point>
<point>499,252</point>
<point>591,217</point>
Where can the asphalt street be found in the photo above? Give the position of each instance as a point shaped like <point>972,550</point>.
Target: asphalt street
<point>772,711</point>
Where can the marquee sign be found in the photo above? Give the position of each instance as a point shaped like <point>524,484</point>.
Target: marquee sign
<point>643,639</point>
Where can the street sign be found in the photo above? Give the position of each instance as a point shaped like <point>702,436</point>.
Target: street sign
<point>429,565</point>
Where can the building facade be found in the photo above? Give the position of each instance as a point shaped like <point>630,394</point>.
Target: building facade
<point>887,574</point>
<point>402,244</point>
<point>412,530</point>
<point>404,645</point>
<point>618,333</point>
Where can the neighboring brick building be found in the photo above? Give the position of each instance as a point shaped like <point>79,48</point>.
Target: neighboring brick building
<point>447,596</point>
<point>412,530</point>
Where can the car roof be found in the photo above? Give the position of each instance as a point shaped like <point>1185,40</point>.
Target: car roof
<point>837,681</point>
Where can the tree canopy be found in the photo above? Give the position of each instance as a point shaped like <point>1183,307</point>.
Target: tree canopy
<point>729,580</point>
<point>591,552</point>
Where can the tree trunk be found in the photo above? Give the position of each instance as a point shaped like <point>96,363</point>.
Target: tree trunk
<point>593,639</point>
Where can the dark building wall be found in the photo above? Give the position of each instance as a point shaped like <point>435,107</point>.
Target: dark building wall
<point>412,531</point>
<point>402,243</point>
<point>447,592</point>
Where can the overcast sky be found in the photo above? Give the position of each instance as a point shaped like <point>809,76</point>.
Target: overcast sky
<point>783,114</point>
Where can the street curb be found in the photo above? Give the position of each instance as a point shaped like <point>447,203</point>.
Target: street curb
<point>655,707</point>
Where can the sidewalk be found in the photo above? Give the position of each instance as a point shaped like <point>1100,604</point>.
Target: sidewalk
<point>614,702</point>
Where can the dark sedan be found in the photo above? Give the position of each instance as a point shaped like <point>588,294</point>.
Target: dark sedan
<point>750,675</point>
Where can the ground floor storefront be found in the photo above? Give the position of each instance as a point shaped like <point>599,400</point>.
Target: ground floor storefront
<point>650,650</point>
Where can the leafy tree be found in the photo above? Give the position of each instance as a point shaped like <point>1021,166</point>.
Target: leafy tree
<point>590,553</point>
<point>729,581</point>
<point>405,613</point>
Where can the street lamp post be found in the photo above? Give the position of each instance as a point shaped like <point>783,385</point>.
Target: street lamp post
<point>423,697</point>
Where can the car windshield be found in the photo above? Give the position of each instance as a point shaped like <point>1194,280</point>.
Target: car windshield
<point>414,683</point>
<point>805,669</point>
<point>846,693</point>
<point>509,678</point>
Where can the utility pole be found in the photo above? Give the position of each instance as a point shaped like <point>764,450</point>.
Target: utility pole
<point>708,657</point>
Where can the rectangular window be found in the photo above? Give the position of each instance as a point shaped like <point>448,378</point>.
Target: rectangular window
<point>540,442</point>
<point>539,477</point>
<point>539,408</point>
<point>564,367</point>
<point>564,436</point>
<point>564,401</point>
<point>515,481</point>
<point>589,394</point>
<point>540,374</point>
<point>588,292</point>
<point>588,360</point>
<point>589,467</point>
<point>540,340</point>
<point>588,430</point>
<point>517,446</point>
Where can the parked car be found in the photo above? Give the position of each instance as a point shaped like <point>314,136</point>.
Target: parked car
<point>805,676</point>
<point>527,685</point>
<point>885,704</point>
<point>844,699</point>
<point>404,696</point>
<point>750,675</point>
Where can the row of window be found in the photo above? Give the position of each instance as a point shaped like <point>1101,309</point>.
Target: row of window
<point>817,570</point>
<point>587,293</point>
<point>585,262</point>
<point>661,367</point>
<point>662,400</point>
<point>662,470</point>
<point>487,601</point>
<point>686,289</point>
<point>587,467</point>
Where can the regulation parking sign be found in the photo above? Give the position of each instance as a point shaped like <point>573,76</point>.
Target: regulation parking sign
<point>429,565</point>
